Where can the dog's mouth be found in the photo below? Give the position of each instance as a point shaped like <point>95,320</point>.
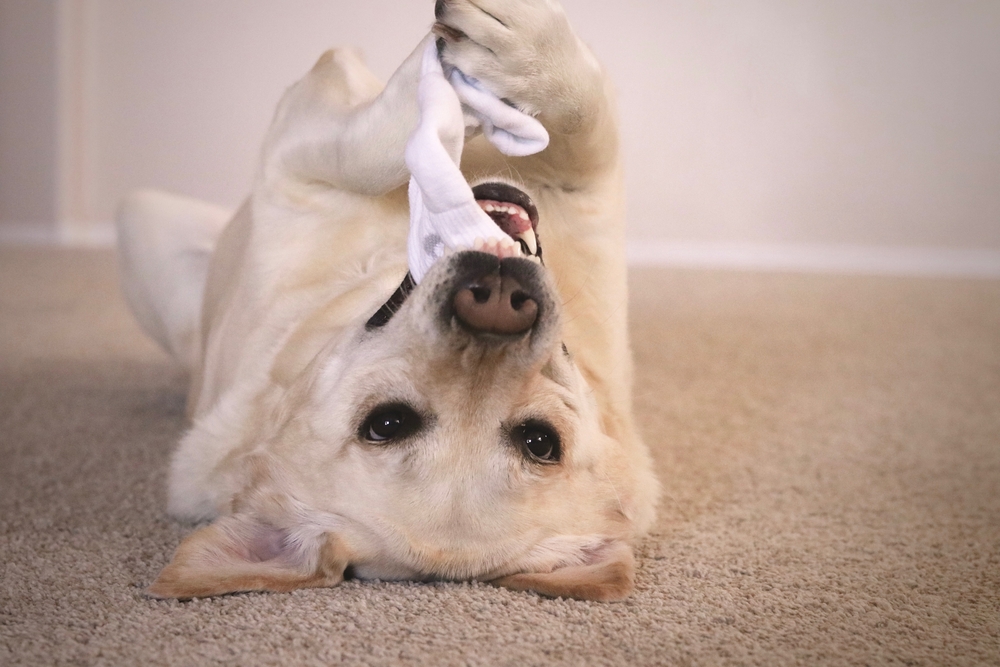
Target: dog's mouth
<point>513,212</point>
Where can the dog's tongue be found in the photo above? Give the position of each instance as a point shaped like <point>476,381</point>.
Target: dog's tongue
<point>514,221</point>
<point>511,218</point>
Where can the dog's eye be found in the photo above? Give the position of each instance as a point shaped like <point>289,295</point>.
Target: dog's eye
<point>538,441</point>
<point>390,422</point>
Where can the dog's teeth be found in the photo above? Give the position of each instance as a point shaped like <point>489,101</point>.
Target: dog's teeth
<point>512,250</point>
<point>489,208</point>
<point>528,236</point>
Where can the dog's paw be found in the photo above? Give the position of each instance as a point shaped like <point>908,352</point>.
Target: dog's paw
<point>523,51</point>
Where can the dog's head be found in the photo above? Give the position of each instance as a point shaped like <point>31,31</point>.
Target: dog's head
<point>450,436</point>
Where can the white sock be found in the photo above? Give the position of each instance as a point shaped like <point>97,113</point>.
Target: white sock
<point>444,215</point>
<point>513,132</point>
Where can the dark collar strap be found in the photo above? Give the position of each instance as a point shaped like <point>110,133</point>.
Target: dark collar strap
<point>395,302</point>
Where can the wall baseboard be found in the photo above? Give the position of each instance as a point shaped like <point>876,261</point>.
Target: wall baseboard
<point>814,258</point>
<point>90,235</point>
<point>804,258</point>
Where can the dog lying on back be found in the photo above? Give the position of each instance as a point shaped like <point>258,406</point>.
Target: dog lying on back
<point>475,426</point>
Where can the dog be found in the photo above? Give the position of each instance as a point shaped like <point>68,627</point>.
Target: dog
<point>348,423</point>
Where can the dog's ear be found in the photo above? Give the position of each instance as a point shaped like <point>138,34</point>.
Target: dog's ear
<point>244,553</point>
<point>606,574</point>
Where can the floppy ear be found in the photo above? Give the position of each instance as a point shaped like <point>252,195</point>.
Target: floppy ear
<point>243,553</point>
<point>605,575</point>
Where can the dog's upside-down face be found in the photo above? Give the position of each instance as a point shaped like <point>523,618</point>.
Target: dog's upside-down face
<point>453,438</point>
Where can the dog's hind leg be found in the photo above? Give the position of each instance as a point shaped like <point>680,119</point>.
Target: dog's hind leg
<point>164,245</point>
<point>340,127</point>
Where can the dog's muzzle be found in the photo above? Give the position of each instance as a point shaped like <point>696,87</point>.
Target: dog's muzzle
<point>495,299</point>
<point>477,293</point>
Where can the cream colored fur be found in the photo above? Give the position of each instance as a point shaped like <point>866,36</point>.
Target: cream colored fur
<point>286,370</point>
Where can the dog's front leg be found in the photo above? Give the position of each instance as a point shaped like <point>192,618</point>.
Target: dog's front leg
<point>526,52</point>
<point>338,126</point>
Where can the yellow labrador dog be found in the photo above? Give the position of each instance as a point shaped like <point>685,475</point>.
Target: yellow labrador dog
<point>476,426</point>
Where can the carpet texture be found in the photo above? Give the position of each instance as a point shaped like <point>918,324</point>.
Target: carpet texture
<point>829,449</point>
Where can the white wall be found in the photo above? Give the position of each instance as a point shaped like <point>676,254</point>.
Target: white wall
<point>28,92</point>
<point>750,126</point>
<point>185,89</point>
<point>823,121</point>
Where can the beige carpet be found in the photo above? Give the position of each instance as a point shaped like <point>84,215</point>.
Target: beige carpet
<point>830,448</point>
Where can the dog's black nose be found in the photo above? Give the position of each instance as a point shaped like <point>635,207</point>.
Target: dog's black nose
<point>495,303</point>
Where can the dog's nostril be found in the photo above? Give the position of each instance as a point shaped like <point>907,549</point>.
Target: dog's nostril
<point>480,294</point>
<point>518,299</point>
<point>496,304</point>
